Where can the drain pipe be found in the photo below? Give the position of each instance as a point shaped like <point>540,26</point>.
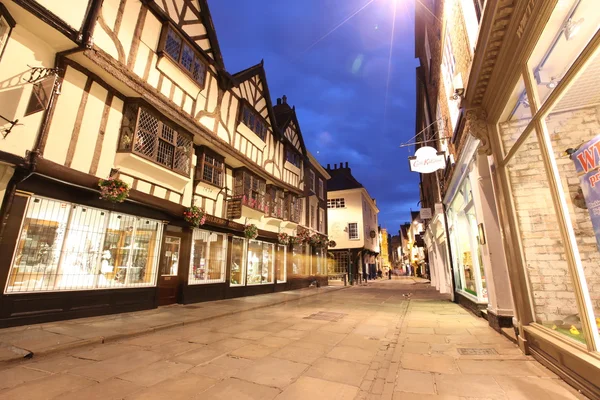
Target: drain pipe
<point>28,168</point>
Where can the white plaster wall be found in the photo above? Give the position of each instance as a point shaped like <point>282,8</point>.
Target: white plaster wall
<point>339,218</point>
<point>72,13</point>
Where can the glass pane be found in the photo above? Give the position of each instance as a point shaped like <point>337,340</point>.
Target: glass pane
<point>237,262</point>
<point>255,262</point>
<point>571,26</point>
<point>187,57</point>
<point>267,262</point>
<point>298,259</point>
<point>515,118</point>
<point>39,248</point>
<point>280,261</point>
<point>208,256</point>
<point>170,254</point>
<point>475,234</point>
<point>142,267</point>
<point>551,286</point>
<point>173,44</point>
<point>574,129</point>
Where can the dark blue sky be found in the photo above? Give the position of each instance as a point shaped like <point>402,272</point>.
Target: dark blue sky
<point>338,85</point>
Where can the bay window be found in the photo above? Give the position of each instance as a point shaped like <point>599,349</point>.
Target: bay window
<point>251,189</point>
<point>276,200</point>
<point>254,121</point>
<point>211,167</point>
<point>293,208</point>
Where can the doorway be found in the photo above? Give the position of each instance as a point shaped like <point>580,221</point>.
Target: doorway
<point>168,279</point>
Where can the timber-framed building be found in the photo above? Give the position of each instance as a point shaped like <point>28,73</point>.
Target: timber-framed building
<point>137,90</point>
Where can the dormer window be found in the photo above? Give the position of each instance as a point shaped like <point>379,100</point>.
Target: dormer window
<point>255,122</point>
<point>182,52</point>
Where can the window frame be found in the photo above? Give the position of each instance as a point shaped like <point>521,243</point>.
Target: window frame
<point>135,110</point>
<point>312,178</point>
<point>357,231</point>
<point>11,23</point>
<point>201,153</point>
<point>338,202</point>
<point>296,157</point>
<point>207,246</point>
<point>245,105</point>
<point>258,196</point>
<point>162,51</point>
<point>321,189</point>
<point>293,208</point>
<point>279,195</point>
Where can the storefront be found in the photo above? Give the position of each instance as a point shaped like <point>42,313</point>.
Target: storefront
<point>547,151</point>
<point>439,261</point>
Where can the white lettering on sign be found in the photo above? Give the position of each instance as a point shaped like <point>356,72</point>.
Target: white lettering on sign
<point>425,213</point>
<point>427,160</point>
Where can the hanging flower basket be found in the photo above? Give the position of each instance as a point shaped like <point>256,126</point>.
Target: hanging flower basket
<point>304,235</point>
<point>283,238</point>
<point>315,240</point>
<point>195,216</point>
<point>113,190</point>
<point>293,240</point>
<point>251,231</point>
<point>332,244</point>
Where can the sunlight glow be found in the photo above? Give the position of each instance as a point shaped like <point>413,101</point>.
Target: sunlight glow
<point>389,74</point>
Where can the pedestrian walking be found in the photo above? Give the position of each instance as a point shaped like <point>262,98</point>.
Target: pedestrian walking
<point>389,273</point>
<point>379,273</point>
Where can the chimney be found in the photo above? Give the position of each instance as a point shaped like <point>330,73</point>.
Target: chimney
<point>341,165</point>
<point>346,164</point>
<point>284,98</point>
<point>334,166</point>
<point>328,166</point>
<point>279,101</point>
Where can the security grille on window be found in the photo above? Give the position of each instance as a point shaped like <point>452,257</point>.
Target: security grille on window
<point>66,246</point>
<point>148,136</point>
<point>183,53</point>
<point>336,203</point>
<point>251,189</point>
<point>211,167</point>
<point>353,231</point>
<point>321,190</point>
<point>253,121</point>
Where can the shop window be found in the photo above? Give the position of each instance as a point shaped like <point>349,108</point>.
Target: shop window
<point>7,23</point>
<point>183,53</point>
<point>300,259</point>
<point>293,208</point>
<point>276,202</point>
<point>338,263</point>
<point>238,256</point>
<point>313,217</point>
<point>207,260</point>
<point>551,284</point>
<point>251,189</point>
<point>572,25</point>
<point>150,136</point>
<point>254,121</point>
<point>292,156</point>
<point>260,262</point>
<point>353,231</point>
<point>211,167</point>
<point>65,246</point>
<point>336,203</point>
<point>281,263</point>
<point>321,189</point>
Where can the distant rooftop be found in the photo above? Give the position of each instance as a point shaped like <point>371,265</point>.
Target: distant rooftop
<point>341,178</point>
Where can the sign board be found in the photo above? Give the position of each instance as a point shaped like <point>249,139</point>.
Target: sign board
<point>425,213</point>
<point>234,208</point>
<point>427,160</point>
<point>439,208</point>
<point>587,161</point>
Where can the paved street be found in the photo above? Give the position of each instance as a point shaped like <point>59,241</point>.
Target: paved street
<point>388,340</point>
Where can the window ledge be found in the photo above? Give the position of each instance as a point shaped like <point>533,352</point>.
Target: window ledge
<point>139,167</point>
<point>251,136</point>
<point>172,69</point>
<point>288,165</point>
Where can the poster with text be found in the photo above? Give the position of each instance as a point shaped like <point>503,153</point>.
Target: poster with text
<point>587,164</point>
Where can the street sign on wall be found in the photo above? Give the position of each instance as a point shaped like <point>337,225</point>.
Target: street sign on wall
<point>427,160</point>
<point>425,213</point>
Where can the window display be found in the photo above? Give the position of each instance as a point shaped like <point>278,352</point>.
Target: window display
<point>260,262</point>
<point>300,260</point>
<point>238,251</point>
<point>66,246</point>
<point>281,263</point>
<point>207,261</point>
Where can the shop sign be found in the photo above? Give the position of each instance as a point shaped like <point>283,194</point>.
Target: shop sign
<point>427,160</point>
<point>234,208</point>
<point>439,208</point>
<point>587,164</point>
<point>425,213</point>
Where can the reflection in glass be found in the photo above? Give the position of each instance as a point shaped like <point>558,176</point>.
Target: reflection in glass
<point>237,277</point>
<point>280,262</point>
<point>516,116</point>
<point>170,254</point>
<point>209,250</point>
<point>260,262</point>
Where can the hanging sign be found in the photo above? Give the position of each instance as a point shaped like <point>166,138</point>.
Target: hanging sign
<point>427,160</point>
<point>425,213</point>
<point>587,164</point>
<point>439,208</point>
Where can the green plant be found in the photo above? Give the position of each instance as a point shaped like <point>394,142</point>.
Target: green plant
<point>113,190</point>
<point>251,231</point>
<point>195,216</point>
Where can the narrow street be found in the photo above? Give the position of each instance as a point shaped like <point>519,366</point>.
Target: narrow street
<point>395,339</point>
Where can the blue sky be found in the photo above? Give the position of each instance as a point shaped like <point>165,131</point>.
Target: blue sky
<point>337,82</point>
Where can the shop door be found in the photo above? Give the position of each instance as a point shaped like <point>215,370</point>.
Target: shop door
<point>168,281</point>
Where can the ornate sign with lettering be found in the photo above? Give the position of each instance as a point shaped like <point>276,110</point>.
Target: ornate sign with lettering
<point>427,160</point>
<point>234,208</point>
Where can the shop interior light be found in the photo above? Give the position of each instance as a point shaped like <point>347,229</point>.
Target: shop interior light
<point>552,84</point>
<point>572,27</point>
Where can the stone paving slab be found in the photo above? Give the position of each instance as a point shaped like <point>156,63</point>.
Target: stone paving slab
<point>25,341</point>
<point>422,347</point>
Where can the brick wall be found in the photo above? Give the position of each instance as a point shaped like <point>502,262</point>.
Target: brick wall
<point>543,248</point>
